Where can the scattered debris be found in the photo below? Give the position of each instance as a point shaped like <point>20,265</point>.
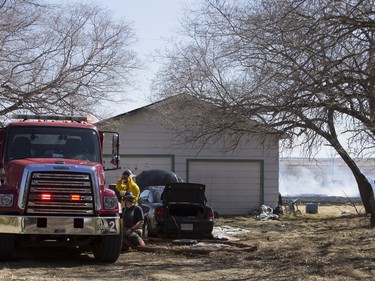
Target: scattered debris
<point>267,214</point>
<point>344,212</point>
<point>227,232</point>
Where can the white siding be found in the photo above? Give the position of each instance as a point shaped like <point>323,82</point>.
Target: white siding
<point>232,187</point>
<point>137,164</point>
<point>142,134</point>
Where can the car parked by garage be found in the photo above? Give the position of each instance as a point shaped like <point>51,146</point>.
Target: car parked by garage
<point>176,210</point>
<point>156,177</point>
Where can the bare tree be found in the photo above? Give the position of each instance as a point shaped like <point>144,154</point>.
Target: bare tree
<point>61,58</point>
<point>304,68</point>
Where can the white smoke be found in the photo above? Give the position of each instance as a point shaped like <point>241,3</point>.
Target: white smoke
<point>325,178</point>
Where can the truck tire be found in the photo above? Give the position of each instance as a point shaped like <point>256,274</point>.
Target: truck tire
<point>107,248</point>
<point>6,246</point>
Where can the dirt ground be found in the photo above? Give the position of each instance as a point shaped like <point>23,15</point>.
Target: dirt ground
<point>335,244</point>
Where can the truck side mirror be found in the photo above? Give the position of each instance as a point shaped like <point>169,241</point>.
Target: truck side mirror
<point>115,145</point>
<point>1,142</point>
<point>115,149</point>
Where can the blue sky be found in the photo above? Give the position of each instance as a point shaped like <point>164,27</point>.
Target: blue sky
<point>154,23</point>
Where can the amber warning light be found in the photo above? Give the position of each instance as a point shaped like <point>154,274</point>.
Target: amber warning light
<point>75,197</point>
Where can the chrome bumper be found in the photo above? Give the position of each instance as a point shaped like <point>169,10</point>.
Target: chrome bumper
<point>60,225</point>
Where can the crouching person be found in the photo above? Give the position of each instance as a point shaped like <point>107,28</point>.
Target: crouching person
<point>133,222</point>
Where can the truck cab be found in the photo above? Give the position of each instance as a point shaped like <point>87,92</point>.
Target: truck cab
<point>52,186</point>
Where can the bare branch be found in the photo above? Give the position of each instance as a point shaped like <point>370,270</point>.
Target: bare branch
<point>303,68</point>
<point>58,59</point>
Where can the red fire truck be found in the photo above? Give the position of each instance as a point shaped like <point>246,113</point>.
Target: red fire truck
<point>52,186</point>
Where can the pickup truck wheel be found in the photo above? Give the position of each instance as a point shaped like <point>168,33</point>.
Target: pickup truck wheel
<point>6,246</point>
<point>107,248</point>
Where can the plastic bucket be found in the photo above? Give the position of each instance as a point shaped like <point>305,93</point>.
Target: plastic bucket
<point>312,208</point>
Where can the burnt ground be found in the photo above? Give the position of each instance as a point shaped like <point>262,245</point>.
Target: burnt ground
<point>323,200</point>
<point>335,244</point>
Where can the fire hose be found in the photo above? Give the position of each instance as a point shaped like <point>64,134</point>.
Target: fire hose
<point>229,246</point>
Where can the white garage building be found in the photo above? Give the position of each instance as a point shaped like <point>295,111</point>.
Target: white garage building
<point>237,182</point>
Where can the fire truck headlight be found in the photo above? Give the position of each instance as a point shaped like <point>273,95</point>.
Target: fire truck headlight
<point>6,200</point>
<point>110,203</point>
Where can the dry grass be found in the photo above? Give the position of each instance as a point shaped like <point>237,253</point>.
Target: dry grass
<point>336,244</point>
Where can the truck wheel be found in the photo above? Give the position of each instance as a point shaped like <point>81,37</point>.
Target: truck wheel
<point>107,248</point>
<point>6,246</point>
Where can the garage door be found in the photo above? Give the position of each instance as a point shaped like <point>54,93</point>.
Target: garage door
<point>232,187</point>
<point>138,163</point>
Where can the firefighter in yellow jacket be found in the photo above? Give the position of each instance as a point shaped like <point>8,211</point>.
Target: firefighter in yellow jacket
<point>126,183</point>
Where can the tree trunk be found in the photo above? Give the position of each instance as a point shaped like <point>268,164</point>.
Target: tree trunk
<point>364,187</point>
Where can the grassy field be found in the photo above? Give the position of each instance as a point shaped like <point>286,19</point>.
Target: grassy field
<point>335,244</point>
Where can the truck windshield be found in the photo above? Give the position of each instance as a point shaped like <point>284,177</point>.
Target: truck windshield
<point>53,142</point>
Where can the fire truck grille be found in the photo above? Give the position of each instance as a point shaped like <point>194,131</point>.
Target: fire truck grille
<point>60,194</point>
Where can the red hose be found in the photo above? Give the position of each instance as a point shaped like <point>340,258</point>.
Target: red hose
<point>235,247</point>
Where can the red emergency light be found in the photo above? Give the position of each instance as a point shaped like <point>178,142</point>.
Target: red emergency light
<point>46,196</point>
